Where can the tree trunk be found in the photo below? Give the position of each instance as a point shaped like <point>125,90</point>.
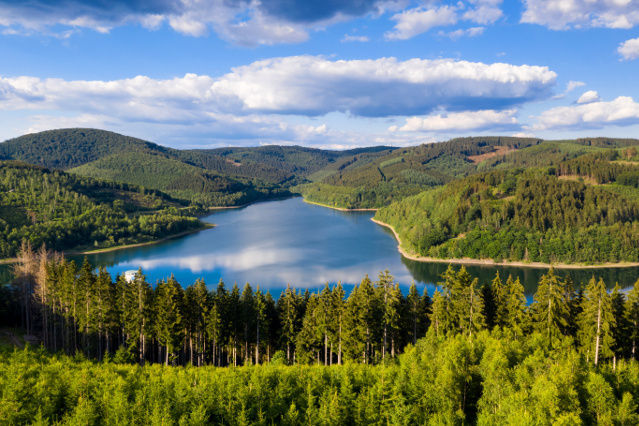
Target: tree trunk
<point>598,331</point>
<point>325,349</point>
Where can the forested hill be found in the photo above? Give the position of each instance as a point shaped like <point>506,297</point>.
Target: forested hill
<point>408,171</point>
<point>584,210</point>
<point>65,211</point>
<point>227,176</point>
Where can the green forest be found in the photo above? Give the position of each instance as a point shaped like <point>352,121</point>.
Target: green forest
<point>500,198</point>
<point>519,215</point>
<point>65,211</point>
<point>117,351</point>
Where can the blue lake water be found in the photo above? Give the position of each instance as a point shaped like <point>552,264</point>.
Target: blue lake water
<point>275,243</point>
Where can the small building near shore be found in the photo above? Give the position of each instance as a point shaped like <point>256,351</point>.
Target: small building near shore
<point>129,276</point>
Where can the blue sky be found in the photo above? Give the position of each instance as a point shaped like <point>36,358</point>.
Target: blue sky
<point>331,74</point>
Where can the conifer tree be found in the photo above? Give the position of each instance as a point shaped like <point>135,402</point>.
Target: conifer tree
<point>169,318</point>
<point>550,308</point>
<point>620,328</point>
<point>596,321</point>
<point>413,309</point>
<point>288,309</point>
<point>339,309</point>
<point>632,317</point>
<point>515,312</point>
<point>439,317</point>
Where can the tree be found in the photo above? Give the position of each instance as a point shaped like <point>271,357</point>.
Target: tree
<point>288,309</point>
<point>515,313</point>
<point>597,321</point>
<point>168,320</point>
<point>550,308</point>
<point>632,316</point>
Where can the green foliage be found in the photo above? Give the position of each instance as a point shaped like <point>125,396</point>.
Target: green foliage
<point>65,211</point>
<point>518,215</point>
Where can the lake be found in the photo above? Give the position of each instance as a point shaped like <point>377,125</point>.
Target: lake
<point>274,243</point>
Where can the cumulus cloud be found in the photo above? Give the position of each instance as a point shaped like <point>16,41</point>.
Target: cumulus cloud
<point>572,85</point>
<point>565,14</point>
<point>588,97</point>
<point>312,85</point>
<point>460,121</point>
<point>484,12</point>
<point>620,111</point>
<point>468,32</point>
<point>245,22</point>
<point>416,21</point>
<point>354,38</point>
<point>412,22</point>
<point>629,49</point>
<point>301,85</point>
<point>257,101</point>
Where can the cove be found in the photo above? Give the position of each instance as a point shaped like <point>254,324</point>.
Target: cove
<point>274,243</point>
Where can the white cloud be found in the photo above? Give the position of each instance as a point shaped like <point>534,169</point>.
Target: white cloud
<point>302,85</point>
<point>484,12</point>
<point>412,22</point>
<point>588,97</point>
<point>354,38</point>
<point>460,121</point>
<point>572,85</point>
<point>417,21</point>
<point>565,14</point>
<point>629,49</point>
<point>383,87</point>
<point>620,111</point>
<point>244,22</point>
<point>468,32</point>
<point>256,101</point>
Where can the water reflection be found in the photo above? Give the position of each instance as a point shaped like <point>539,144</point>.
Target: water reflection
<point>275,243</point>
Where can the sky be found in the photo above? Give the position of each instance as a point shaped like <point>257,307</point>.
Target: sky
<point>321,73</point>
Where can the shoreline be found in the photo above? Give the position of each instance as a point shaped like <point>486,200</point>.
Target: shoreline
<point>341,209</point>
<point>122,247</point>
<point>490,262</point>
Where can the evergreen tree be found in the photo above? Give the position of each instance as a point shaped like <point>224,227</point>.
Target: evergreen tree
<point>632,317</point>
<point>169,318</point>
<point>550,308</point>
<point>288,308</point>
<point>596,322</point>
<point>515,312</point>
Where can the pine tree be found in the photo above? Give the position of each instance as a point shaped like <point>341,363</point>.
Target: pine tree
<point>413,309</point>
<point>339,310</point>
<point>515,313</point>
<point>214,329</point>
<point>439,317</point>
<point>632,317</point>
<point>550,308</point>
<point>288,309</point>
<point>620,329</point>
<point>597,321</point>
<point>261,324</point>
<point>168,321</point>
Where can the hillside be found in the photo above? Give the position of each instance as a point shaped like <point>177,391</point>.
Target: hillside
<point>408,171</point>
<point>179,179</point>
<point>67,148</point>
<point>405,172</point>
<point>520,215</point>
<point>65,211</point>
<point>214,177</point>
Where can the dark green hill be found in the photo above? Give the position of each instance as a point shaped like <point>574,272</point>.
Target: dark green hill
<point>520,215</point>
<point>66,211</point>
<point>408,171</point>
<point>68,148</point>
<point>179,179</point>
<point>225,176</point>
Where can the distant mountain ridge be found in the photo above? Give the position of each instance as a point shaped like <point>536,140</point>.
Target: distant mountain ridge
<point>224,176</point>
